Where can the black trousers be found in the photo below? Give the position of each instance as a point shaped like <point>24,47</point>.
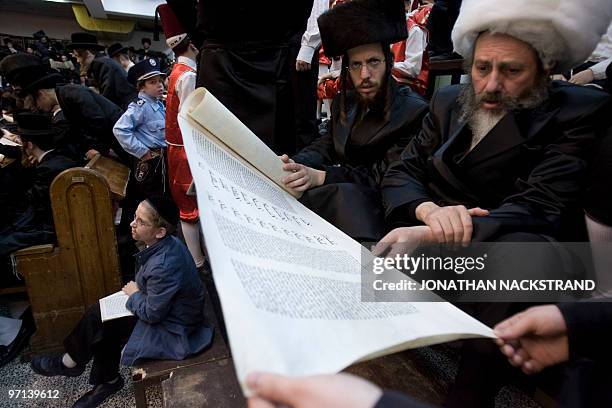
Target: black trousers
<point>253,81</point>
<point>102,341</point>
<point>304,87</point>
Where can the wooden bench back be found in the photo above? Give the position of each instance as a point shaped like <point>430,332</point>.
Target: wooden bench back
<point>83,216</point>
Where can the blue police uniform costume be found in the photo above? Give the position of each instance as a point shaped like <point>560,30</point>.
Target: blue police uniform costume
<point>141,129</point>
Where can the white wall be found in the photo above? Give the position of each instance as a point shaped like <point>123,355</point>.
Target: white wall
<point>21,24</point>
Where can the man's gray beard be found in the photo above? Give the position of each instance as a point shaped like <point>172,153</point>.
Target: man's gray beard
<point>471,103</point>
<point>481,123</point>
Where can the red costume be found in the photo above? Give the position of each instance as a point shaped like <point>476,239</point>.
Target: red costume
<point>418,84</point>
<point>178,167</point>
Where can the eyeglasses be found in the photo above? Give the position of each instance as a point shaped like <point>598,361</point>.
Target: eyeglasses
<point>372,64</point>
<point>140,222</point>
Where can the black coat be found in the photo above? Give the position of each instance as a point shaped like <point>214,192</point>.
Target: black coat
<point>89,118</point>
<point>35,226</point>
<point>52,164</point>
<point>528,171</point>
<point>245,62</point>
<point>110,78</point>
<point>598,197</point>
<point>355,156</point>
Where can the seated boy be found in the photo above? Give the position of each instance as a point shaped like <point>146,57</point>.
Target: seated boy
<point>167,301</point>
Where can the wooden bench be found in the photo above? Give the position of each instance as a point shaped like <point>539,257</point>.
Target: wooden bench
<point>62,280</point>
<point>206,379</point>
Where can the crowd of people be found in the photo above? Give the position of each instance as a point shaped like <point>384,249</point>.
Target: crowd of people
<point>520,152</point>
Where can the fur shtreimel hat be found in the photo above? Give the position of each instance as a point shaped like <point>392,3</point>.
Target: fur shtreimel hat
<point>360,22</point>
<point>563,32</point>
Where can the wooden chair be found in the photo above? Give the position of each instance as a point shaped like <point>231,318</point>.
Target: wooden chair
<point>438,69</point>
<point>62,280</point>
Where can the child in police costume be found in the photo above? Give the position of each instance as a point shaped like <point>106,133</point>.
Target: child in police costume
<point>141,130</point>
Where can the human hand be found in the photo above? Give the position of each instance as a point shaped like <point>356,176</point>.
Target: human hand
<point>130,288</point>
<point>583,77</point>
<point>324,78</point>
<point>146,156</point>
<point>320,391</point>
<point>534,339</point>
<point>558,77</point>
<point>302,66</point>
<point>285,159</point>
<point>303,177</point>
<point>403,241</point>
<point>451,224</point>
<point>91,153</point>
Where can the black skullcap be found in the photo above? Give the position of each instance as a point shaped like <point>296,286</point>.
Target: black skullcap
<point>165,208</point>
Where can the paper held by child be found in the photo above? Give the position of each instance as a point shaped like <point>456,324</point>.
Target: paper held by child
<point>113,306</point>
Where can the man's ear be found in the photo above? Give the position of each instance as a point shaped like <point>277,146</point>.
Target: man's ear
<point>161,232</point>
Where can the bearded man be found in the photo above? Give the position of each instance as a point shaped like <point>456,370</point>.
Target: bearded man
<point>510,141</point>
<point>373,119</point>
<point>504,157</point>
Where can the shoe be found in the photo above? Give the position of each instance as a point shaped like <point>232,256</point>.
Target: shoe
<point>52,365</point>
<point>8,353</point>
<point>98,394</point>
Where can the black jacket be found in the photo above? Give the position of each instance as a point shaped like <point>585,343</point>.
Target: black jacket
<point>111,79</point>
<point>360,151</point>
<point>589,329</point>
<point>355,157</point>
<point>528,171</point>
<point>89,117</point>
<point>52,164</point>
<point>598,197</point>
<point>244,20</point>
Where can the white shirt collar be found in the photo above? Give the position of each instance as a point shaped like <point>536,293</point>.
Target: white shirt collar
<point>44,154</point>
<point>187,61</point>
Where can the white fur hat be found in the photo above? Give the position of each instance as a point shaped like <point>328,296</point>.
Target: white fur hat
<point>564,32</point>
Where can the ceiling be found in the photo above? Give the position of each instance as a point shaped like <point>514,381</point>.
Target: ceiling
<point>140,11</point>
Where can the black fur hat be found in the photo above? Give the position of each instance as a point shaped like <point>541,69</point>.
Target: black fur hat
<point>360,22</point>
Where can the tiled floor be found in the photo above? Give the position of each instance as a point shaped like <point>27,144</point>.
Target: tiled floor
<point>18,376</point>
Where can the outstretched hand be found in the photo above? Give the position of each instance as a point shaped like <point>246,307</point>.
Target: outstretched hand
<point>321,391</point>
<point>534,339</point>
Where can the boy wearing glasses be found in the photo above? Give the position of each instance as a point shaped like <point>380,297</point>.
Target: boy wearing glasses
<point>373,119</point>
<point>167,302</point>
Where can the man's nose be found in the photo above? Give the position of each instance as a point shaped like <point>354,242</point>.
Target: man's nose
<point>364,72</point>
<point>494,82</point>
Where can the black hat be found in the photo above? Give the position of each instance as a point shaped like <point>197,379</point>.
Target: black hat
<point>16,65</point>
<point>84,41</point>
<point>116,49</point>
<point>37,127</point>
<point>165,208</point>
<point>361,22</point>
<point>39,34</point>
<point>45,79</point>
<point>145,40</point>
<point>142,70</point>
